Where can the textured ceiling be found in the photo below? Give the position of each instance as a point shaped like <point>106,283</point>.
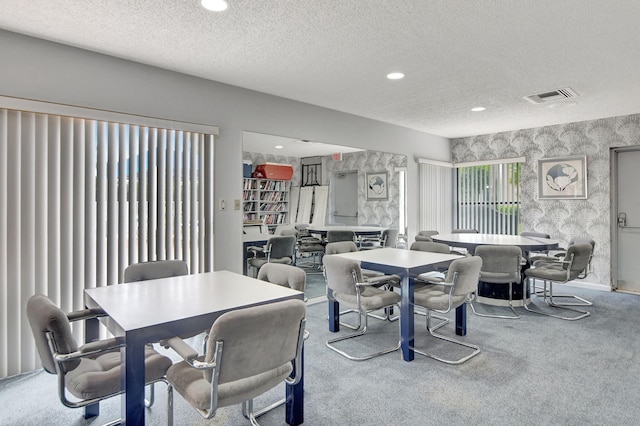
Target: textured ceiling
<point>456,54</point>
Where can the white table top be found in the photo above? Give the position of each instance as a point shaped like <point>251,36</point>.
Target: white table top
<point>357,229</point>
<point>526,243</point>
<point>407,259</point>
<point>144,304</point>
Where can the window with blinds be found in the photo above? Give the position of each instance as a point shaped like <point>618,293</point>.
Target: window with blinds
<point>488,198</point>
<point>80,199</point>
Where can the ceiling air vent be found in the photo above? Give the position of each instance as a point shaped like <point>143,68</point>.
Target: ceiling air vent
<point>553,95</point>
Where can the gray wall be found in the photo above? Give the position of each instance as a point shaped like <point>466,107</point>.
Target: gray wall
<point>563,219</point>
<point>46,71</point>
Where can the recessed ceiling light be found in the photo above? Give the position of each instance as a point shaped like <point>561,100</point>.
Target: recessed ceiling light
<point>478,109</point>
<point>215,5</point>
<point>395,76</point>
<point>278,147</point>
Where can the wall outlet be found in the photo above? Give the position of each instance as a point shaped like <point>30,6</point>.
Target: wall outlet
<point>223,204</point>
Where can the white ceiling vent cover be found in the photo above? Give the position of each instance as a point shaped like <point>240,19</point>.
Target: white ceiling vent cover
<point>553,95</point>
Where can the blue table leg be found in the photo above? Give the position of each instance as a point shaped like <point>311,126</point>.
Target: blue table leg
<point>132,380</point>
<point>91,334</point>
<point>406,319</point>
<point>461,320</point>
<point>295,399</point>
<point>334,316</point>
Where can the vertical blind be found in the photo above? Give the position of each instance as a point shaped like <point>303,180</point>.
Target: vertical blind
<point>488,198</point>
<point>80,199</point>
<point>436,197</point>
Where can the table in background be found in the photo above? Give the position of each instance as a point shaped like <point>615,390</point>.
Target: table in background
<point>148,311</point>
<point>252,239</point>
<point>407,264</point>
<point>358,230</point>
<point>497,294</point>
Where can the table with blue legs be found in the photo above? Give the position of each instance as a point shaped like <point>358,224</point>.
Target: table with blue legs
<point>149,311</point>
<point>407,264</point>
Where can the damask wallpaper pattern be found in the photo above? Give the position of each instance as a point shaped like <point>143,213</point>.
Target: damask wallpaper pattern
<point>562,219</point>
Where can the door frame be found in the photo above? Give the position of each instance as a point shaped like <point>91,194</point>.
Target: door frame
<point>613,158</point>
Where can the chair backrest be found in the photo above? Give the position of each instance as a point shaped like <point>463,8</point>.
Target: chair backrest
<point>500,264</point>
<point>154,270</point>
<point>581,254</point>
<point>428,233</point>
<point>284,275</point>
<point>464,231</point>
<point>256,340</point>
<point>46,318</point>
<point>430,246</point>
<point>340,247</point>
<point>390,237</point>
<point>339,235</point>
<point>282,246</point>
<point>288,231</point>
<point>466,272</point>
<point>339,273</point>
<point>534,234</point>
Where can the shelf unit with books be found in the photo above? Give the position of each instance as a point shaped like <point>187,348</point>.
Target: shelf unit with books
<point>266,201</point>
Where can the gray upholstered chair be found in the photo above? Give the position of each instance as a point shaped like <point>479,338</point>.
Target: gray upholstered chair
<point>154,270</point>
<point>464,231</point>
<point>86,373</point>
<point>534,234</point>
<point>346,285</point>
<point>426,235</point>
<point>284,275</point>
<point>388,238</point>
<point>430,246</point>
<point>375,278</point>
<point>340,235</point>
<point>279,249</point>
<point>444,295</point>
<point>558,254</point>
<point>250,351</point>
<point>575,265</point>
<point>500,265</point>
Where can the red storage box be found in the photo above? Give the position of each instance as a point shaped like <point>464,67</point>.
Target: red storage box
<point>273,171</point>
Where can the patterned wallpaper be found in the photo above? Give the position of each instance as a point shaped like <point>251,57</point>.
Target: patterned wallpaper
<point>383,212</point>
<point>562,219</point>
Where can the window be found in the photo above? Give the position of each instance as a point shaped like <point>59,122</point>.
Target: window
<point>488,198</point>
<point>82,198</point>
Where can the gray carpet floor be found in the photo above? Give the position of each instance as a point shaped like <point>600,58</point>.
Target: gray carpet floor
<point>532,371</point>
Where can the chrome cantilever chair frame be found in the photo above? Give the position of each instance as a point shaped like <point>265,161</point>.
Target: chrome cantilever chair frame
<point>547,293</point>
<point>449,288</point>
<point>361,327</point>
<point>515,275</point>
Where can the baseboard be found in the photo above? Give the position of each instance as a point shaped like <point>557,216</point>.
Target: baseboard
<point>587,285</point>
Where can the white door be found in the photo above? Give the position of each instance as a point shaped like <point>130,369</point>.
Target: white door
<point>345,198</point>
<point>625,268</point>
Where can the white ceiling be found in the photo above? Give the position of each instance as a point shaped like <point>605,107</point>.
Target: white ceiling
<point>266,144</point>
<point>456,54</point>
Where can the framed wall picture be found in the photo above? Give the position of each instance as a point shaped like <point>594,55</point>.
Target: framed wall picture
<point>562,178</point>
<point>376,185</point>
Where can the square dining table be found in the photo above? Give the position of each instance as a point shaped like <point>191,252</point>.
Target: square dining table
<point>148,311</point>
<point>407,264</point>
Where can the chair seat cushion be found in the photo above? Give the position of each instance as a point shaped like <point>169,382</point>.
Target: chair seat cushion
<point>499,277</point>
<point>191,384</point>
<point>372,298</point>
<point>100,376</point>
<point>552,272</point>
<point>436,297</point>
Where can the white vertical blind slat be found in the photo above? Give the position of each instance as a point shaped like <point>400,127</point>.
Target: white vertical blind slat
<point>4,187</point>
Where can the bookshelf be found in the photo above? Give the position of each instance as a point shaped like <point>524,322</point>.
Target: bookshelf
<point>265,201</point>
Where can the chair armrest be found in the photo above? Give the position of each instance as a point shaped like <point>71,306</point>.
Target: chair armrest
<point>92,348</point>
<point>433,277</point>
<point>85,314</point>
<point>183,349</point>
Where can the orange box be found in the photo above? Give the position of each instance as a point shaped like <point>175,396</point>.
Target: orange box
<point>273,171</point>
